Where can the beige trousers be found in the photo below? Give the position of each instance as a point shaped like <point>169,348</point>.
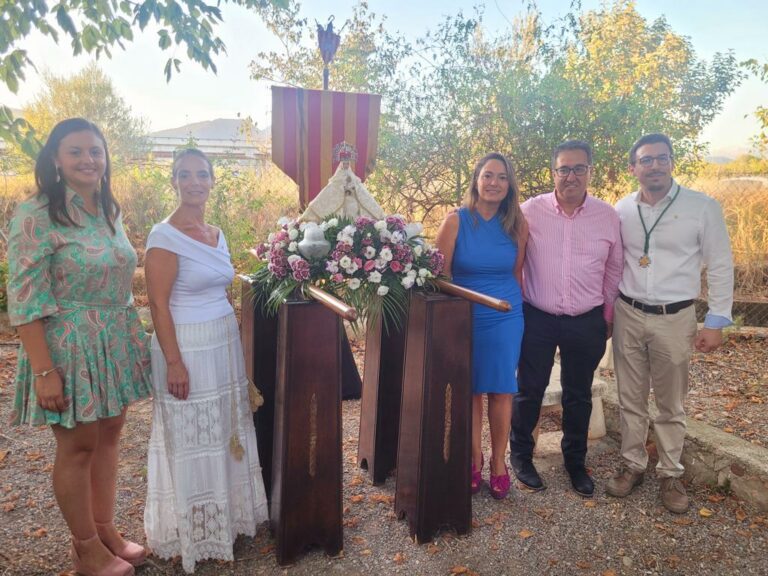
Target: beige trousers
<point>652,350</point>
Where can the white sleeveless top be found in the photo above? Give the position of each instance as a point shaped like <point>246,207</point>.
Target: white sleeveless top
<point>199,292</point>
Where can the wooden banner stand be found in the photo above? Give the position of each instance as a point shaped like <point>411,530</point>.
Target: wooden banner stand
<point>258,333</point>
<point>434,448</point>
<point>380,406</point>
<point>306,455</point>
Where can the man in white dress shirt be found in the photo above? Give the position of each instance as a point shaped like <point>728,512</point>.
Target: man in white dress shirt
<point>669,233</point>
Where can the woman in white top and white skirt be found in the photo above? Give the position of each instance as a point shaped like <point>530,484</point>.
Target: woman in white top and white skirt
<point>204,477</point>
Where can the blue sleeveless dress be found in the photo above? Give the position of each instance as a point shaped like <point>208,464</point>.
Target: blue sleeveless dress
<point>484,260</point>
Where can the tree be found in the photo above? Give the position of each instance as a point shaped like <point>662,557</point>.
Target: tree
<point>604,76</point>
<point>761,113</point>
<point>89,94</point>
<point>96,27</point>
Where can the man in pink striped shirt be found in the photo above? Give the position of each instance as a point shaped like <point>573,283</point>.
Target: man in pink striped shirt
<point>573,265</point>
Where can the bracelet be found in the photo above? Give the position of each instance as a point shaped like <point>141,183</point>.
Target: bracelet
<point>44,373</point>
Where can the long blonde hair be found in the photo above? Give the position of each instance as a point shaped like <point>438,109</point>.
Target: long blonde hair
<point>512,219</point>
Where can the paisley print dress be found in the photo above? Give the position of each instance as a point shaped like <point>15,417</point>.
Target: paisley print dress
<point>77,280</point>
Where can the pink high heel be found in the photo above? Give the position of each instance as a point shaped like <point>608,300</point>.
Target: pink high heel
<point>117,567</point>
<point>477,476</point>
<point>499,485</point>
<point>134,554</point>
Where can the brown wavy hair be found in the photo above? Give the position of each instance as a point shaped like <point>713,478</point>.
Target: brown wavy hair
<point>54,188</point>
<point>512,219</point>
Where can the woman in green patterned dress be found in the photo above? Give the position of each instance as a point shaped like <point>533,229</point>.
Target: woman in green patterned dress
<point>84,355</point>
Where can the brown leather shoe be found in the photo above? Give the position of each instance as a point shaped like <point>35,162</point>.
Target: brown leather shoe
<point>623,482</point>
<point>673,495</point>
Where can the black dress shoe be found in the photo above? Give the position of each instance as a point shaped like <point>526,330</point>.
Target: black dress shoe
<point>528,476</point>
<point>582,483</point>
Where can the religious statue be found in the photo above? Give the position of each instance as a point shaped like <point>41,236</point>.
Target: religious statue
<point>344,195</point>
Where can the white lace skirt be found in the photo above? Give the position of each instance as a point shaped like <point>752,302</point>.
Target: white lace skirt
<point>199,497</point>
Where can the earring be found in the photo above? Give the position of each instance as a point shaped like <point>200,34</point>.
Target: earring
<point>58,174</point>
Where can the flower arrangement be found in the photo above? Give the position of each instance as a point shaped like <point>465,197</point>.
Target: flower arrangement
<point>369,264</point>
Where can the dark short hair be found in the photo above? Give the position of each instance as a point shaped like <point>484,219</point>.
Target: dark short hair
<point>572,145</point>
<point>183,153</point>
<point>653,138</point>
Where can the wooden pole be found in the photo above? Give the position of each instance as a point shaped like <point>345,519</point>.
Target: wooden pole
<point>472,296</point>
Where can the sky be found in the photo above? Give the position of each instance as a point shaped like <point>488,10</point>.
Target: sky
<point>196,95</point>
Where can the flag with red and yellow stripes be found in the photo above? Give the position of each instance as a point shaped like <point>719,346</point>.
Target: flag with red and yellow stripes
<point>308,124</point>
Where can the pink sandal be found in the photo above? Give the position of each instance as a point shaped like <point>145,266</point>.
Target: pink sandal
<point>499,485</point>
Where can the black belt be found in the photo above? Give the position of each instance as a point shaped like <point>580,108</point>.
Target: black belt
<point>656,308</point>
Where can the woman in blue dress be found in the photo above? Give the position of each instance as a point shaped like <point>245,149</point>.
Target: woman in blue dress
<point>484,246</point>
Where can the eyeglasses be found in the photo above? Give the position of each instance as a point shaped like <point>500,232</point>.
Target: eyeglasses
<point>661,160</point>
<point>578,170</point>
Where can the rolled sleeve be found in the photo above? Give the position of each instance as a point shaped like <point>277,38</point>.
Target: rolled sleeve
<point>30,253</point>
<point>718,260</point>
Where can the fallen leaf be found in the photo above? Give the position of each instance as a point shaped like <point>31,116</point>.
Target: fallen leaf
<point>590,504</point>
<point>264,550</point>
<point>673,561</point>
<point>609,573</point>
<point>475,523</point>
<point>9,506</point>
<point>433,549</point>
<point>583,564</point>
<point>715,497</point>
<point>459,570</point>
<point>382,498</point>
<point>399,558</point>
<point>356,498</point>
<point>698,416</point>
<point>740,515</point>
<point>356,481</point>
<point>359,540</point>
<point>705,512</point>
<point>352,522</point>
<point>525,533</point>
<point>33,456</point>
<point>728,429</point>
<point>3,454</point>
<point>39,533</point>
<point>366,552</point>
<point>683,521</point>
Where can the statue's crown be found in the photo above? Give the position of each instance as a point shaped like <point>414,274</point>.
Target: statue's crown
<point>344,151</point>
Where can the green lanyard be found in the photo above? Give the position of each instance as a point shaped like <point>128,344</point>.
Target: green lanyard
<point>644,259</point>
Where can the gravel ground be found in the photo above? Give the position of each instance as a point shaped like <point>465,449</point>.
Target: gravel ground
<point>551,532</point>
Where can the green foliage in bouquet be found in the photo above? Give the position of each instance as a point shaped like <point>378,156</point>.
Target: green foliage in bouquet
<point>368,264</point>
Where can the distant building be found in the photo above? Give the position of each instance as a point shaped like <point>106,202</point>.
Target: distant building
<point>235,140</point>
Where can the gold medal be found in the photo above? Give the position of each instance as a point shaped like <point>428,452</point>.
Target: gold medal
<point>644,261</point>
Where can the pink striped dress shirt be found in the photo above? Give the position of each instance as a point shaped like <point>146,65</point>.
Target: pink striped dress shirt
<point>572,263</point>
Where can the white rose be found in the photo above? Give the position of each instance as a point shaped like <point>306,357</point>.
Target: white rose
<point>398,237</point>
<point>352,268</point>
<point>369,252</point>
<point>407,282</point>
<point>411,273</point>
<point>354,283</point>
<point>382,291</point>
<point>323,226</point>
<point>349,230</point>
<point>385,235</point>
<point>293,258</point>
<point>420,281</point>
<point>374,277</point>
<point>380,225</point>
<point>417,250</point>
<point>293,246</point>
<point>413,229</point>
<point>333,222</point>
<point>271,237</point>
<point>332,267</point>
<point>386,254</point>
<point>283,220</point>
<point>345,261</point>
<point>380,263</point>
<point>423,272</point>
<point>407,267</point>
<point>293,234</point>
